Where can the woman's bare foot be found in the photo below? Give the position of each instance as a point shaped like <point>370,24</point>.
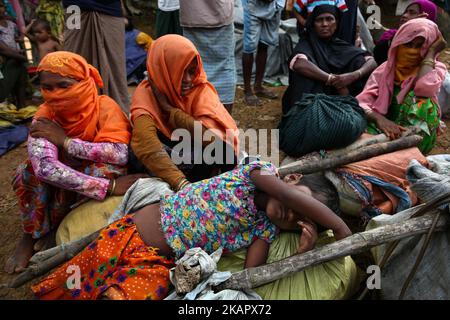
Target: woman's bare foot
<point>265,93</point>
<point>252,100</point>
<point>46,242</point>
<point>23,253</point>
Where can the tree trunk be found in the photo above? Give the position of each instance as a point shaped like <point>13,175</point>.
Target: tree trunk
<point>255,277</point>
<point>308,166</point>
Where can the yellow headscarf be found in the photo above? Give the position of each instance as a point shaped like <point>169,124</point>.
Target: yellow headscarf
<point>407,63</point>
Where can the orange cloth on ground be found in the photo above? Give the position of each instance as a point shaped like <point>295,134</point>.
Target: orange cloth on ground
<point>79,109</point>
<point>117,264</point>
<point>391,168</point>
<point>167,60</point>
<point>407,63</point>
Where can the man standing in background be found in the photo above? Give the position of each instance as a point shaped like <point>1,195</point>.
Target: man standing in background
<point>209,25</point>
<point>168,18</point>
<point>261,23</point>
<point>101,41</point>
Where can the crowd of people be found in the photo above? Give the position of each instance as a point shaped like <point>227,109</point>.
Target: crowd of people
<point>90,139</point>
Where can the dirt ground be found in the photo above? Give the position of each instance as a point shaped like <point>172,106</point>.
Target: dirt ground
<point>266,116</point>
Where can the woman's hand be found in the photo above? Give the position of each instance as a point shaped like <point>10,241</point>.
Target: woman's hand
<point>122,184</point>
<point>163,102</point>
<point>308,237</point>
<point>344,80</point>
<point>437,46</point>
<point>47,129</point>
<point>390,129</point>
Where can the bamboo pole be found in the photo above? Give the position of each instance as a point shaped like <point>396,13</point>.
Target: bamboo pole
<point>370,140</point>
<point>307,166</point>
<point>359,242</point>
<point>65,248</point>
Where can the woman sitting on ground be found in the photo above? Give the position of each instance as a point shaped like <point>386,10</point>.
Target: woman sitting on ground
<point>417,9</point>
<point>177,95</point>
<point>323,63</point>
<point>402,92</point>
<point>77,148</point>
<point>241,208</point>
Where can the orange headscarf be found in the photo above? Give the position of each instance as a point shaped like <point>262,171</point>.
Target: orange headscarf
<point>167,60</point>
<point>79,110</point>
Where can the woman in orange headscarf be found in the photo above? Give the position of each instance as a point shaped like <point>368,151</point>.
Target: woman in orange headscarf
<point>176,96</point>
<point>77,147</point>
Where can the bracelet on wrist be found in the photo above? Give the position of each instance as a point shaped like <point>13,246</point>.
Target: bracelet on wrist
<point>182,184</point>
<point>67,141</point>
<point>428,61</point>
<point>112,187</point>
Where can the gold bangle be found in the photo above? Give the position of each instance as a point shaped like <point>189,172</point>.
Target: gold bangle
<point>182,184</point>
<point>67,141</point>
<point>360,74</point>
<point>113,182</point>
<point>429,62</point>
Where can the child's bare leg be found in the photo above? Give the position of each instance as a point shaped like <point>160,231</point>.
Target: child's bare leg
<point>22,255</point>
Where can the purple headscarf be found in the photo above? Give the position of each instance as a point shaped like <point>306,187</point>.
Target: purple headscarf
<point>425,6</point>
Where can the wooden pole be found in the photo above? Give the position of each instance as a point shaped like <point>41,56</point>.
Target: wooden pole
<point>64,248</point>
<point>308,166</point>
<point>359,242</point>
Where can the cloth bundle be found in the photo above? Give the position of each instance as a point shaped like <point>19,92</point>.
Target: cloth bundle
<point>430,184</point>
<point>12,135</point>
<point>432,278</point>
<point>320,121</point>
<point>196,274</point>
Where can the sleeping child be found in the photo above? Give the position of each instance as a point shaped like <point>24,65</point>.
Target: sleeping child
<point>242,208</point>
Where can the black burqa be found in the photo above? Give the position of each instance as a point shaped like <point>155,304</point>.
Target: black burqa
<point>330,55</point>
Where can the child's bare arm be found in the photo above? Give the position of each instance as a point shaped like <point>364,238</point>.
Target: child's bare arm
<point>57,46</point>
<point>28,31</point>
<point>300,202</point>
<point>257,254</point>
<point>11,53</point>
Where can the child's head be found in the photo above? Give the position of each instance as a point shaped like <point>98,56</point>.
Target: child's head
<point>314,185</point>
<point>42,30</point>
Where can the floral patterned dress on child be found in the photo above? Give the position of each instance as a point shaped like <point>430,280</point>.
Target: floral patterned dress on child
<point>217,212</point>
